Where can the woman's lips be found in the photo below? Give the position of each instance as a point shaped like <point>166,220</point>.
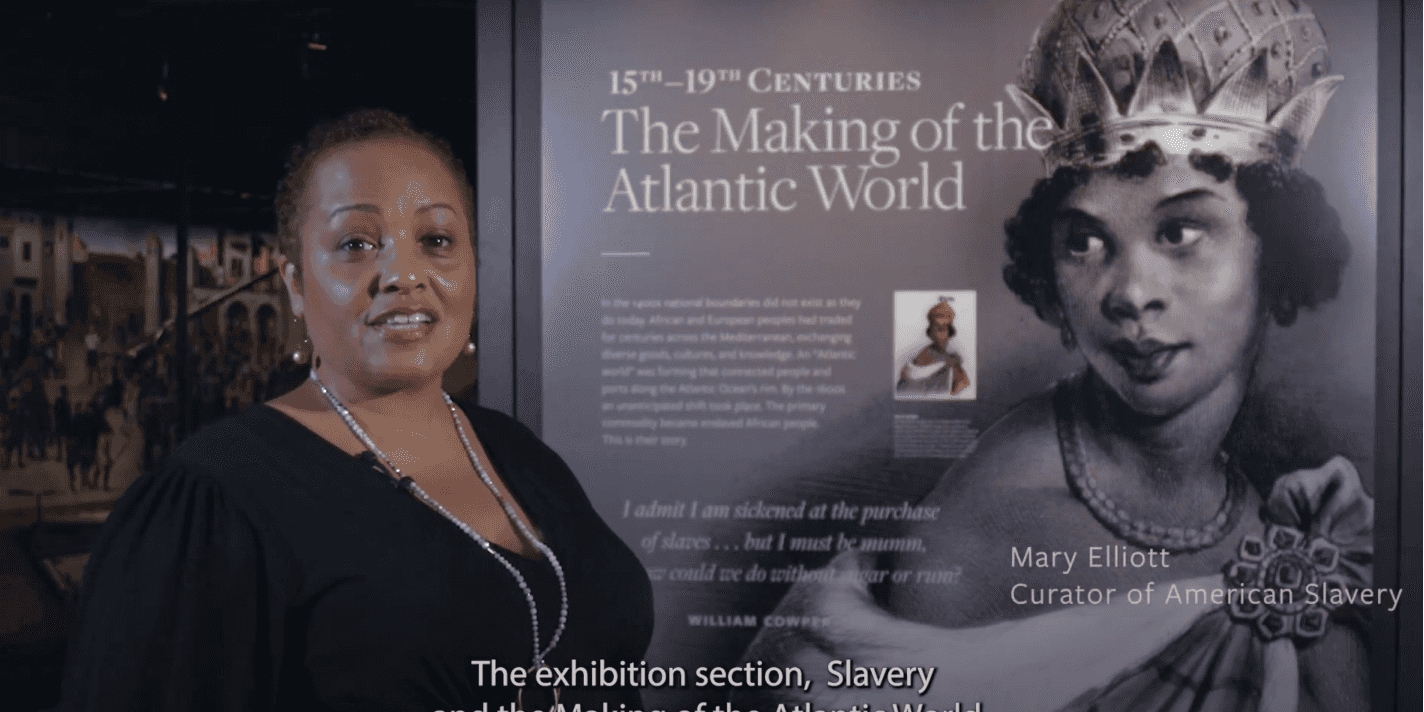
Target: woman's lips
<point>404,326</point>
<point>1145,361</point>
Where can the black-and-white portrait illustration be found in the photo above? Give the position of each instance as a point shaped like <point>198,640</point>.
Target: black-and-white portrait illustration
<point>943,368</point>
<point>1132,538</point>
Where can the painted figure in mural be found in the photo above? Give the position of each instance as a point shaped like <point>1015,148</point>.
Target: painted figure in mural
<point>37,420</point>
<point>937,368</point>
<point>74,446</point>
<point>358,541</point>
<point>91,355</point>
<point>109,446</point>
<point>62,418</point>
<point>11,432</point>
<point>1173,230</point>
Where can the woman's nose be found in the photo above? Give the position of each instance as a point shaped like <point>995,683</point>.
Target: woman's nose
<point>402,267</point>
<point>1139,285</point>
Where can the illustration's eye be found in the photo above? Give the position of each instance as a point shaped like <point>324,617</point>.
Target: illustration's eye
<point>1082,244</point>
<point>1181,234</point>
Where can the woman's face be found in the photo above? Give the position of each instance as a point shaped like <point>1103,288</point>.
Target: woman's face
<point>939,330</point>
<point>387,285</point>
<point>1158,281</point>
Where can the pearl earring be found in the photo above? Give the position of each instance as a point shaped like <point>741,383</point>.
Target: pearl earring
<point>300,355</point>
<point>470,348</point>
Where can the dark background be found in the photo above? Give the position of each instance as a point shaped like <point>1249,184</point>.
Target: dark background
<point>85,130</point>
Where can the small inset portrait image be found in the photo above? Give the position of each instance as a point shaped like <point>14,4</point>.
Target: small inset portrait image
<point>934,345</point>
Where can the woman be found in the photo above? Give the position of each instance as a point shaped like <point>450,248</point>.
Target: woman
<point>1174,227</point>
<point>935,369</point>
<point>361,542</point>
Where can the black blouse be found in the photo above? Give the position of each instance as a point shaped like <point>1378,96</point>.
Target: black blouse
<point>265,568</point>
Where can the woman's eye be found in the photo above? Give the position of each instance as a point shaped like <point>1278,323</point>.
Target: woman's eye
<point>1181,234</point>
<point>1086,243</point>
<point>438,240</point>
<point>356,244</point>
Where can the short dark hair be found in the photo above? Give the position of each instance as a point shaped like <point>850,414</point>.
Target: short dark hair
<point>1303,247</point>
<point>352,127</point>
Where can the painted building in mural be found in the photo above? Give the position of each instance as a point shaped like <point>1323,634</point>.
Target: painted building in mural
<point>35,270</point>
<point>49,275</point>
<point>250,319</point>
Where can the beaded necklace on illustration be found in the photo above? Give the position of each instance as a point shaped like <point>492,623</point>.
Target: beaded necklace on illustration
<point>1139,532</point>
<point>409,484</point>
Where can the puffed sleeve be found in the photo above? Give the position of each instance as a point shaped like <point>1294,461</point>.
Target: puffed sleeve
<point>180,608</point>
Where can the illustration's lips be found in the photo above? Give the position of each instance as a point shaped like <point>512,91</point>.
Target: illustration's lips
<point>1145,360</point>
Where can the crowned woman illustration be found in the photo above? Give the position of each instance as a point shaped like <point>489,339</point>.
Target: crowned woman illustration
<point>1173,232</point>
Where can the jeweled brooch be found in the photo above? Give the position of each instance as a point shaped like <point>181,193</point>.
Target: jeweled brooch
<point>1283,578</point>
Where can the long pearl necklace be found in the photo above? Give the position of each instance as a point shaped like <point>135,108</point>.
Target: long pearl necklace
<point>409,484</point>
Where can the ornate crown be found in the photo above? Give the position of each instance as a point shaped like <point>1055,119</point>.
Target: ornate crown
<point>1243,78</point>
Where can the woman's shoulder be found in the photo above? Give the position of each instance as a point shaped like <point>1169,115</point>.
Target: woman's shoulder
<point>259,459</point>
<point>1019,451</point>
<point>493,421</point>
<point>505,432</point>
<point>234,440</point>
<point>1003,486</point>
<point>1009,491</point>
<point>193,491</point>
<point>515,446</point>
<point>1007,472</point>
<point>926,354</point>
